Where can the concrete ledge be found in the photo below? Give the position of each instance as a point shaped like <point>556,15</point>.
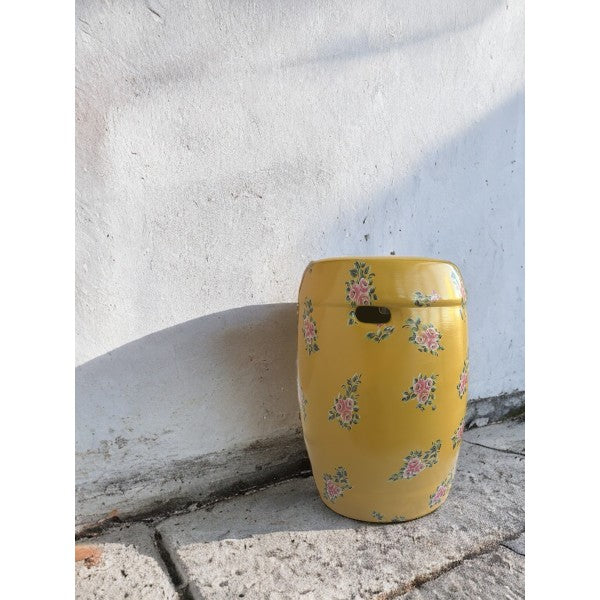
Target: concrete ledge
<point>211,477</point>
<point>184,483</point>
<point>482,411</point>
<point>282,542</point>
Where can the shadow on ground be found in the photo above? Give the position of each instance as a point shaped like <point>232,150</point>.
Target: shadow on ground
<point>218,382</point>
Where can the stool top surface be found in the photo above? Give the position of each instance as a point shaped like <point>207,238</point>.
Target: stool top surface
<point>383,281</point>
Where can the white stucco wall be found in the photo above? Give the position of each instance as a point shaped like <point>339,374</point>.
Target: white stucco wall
<point>221,146</point>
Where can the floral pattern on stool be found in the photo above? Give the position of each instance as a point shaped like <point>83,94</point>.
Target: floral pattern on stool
<point>309,327</point>
<point>421,299</point>
<point>457,436</point>
<point>463,379</point>
<point>423,389</point>
<point>336,485</point>
<point>418,461</point>
<point>425,337</point>
<point>345,404</point>
<point>386,417</point>
<point>360,290</point>
<point>381,333</point>
<point>441,491</point>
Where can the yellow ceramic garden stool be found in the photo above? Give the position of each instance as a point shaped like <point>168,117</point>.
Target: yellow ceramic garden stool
<point>382,376</point>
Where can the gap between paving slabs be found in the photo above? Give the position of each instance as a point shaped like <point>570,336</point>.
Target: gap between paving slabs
<point>282,542</point>
<point>499,573</point>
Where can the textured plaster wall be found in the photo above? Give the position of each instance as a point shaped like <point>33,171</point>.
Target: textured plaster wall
<point>223,145</point>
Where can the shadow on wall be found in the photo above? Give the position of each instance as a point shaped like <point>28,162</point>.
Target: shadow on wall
<point>451,17</point>
<point>227,380</point>
<point>222,380</point>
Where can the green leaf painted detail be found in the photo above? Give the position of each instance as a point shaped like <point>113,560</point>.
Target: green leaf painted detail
<point>425,337</point>
<point>335,485</point>
<point>360,289</point>
<point>309,327</point>
<point>345,404</point>
<point>380,334</point>
<point>422,390</point>
<point>417,461</point>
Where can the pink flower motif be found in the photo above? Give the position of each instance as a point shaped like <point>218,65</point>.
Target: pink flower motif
<point>422,386</point>
<point>427,337</point>
<point>309,329</point>
<point>417,461</point>
<point>359,293</point>
<point>457,436</point>
<point>354,291</point>
<point>423,389</point>
<point>414,466</point>
<point>345,404</point>
<point>344,408</point>
<point>442,490</point>
<point>439,493</point>
<point>422,398</point>
<point>434,296</point>
<point>430,338</point>
<point>333,489</point>
<point>462,382</point>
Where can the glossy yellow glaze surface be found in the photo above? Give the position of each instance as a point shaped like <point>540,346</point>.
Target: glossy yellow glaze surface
<point>382,405</point>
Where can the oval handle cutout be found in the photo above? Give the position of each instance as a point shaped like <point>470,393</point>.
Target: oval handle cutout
<point>373,314</point>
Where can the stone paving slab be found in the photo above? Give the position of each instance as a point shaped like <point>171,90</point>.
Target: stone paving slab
<point>508,436</point>
<point>284,543</point>
<point>129,567</point>
<point>499,574</point>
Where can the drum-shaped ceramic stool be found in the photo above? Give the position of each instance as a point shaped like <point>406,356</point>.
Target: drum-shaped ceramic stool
<point>382,375</point>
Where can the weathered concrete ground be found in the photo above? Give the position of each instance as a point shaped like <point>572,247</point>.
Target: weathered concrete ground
<point>283,543</point>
